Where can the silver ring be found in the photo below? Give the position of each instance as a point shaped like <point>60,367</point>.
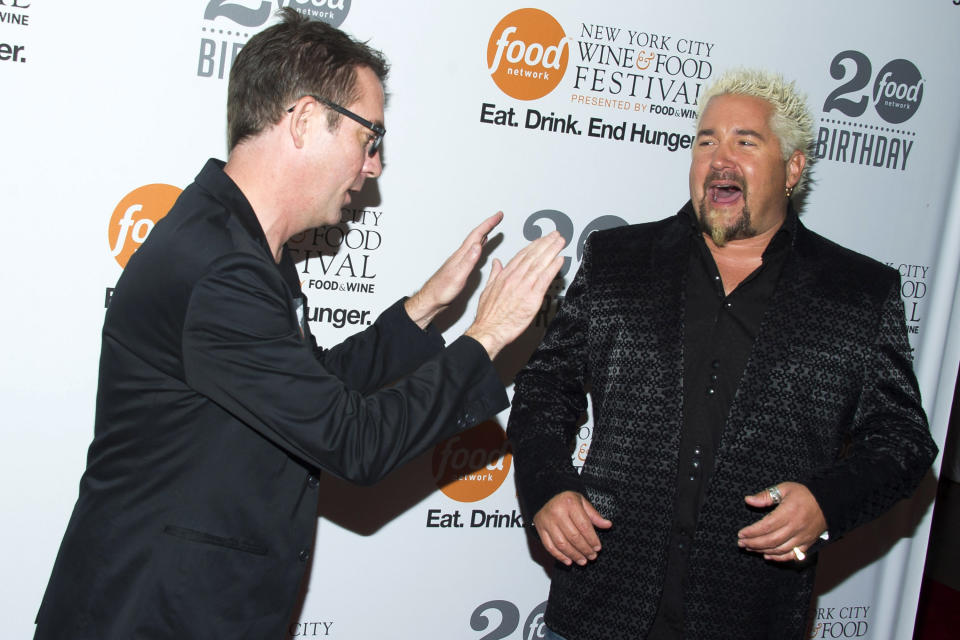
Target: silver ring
<point>799,555</point>
<point>775,494</point>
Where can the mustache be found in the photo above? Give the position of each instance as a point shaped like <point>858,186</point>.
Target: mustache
<point>725,176</point>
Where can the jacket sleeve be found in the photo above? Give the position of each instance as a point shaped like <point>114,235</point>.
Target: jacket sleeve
<point>391,347</point>
<point>242,349</point>
<point>890,448</point>
<point>549,400</point>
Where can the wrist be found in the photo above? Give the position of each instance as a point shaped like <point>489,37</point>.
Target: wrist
<point>419,311</point>
<point>486,339</point>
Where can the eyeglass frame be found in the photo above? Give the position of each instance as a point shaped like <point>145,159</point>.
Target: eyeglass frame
<point>377,129</point>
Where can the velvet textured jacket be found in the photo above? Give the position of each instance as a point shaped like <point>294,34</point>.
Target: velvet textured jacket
<point>215,413</point>
<point>828,398</point>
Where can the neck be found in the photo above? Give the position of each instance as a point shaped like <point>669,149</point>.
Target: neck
<point>255,170</point>
<point>739,258</point>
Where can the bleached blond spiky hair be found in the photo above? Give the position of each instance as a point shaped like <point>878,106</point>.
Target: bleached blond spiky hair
<point>791,121</point>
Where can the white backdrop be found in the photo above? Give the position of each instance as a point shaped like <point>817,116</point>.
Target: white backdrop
<point>101,99</point>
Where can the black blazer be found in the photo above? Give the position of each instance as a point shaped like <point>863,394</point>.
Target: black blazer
<point>828,398</point>
<point>215,413</point>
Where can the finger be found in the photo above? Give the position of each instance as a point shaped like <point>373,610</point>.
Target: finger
<point>768,523</point>
<point>771,525</point>
<point>760,500</point>
<point>495,269</point>
<point>786,547</point>
<point>497,217</point>
<point>469,250</point>
<point>781,540</point>
<point>534,252</point>
<point>547,276</point>
<point>556,526</point>
<point>781,557</point>
<point>773,546</point>
<point>548,248</point>
<point>790,553</point>
<point>566,519</point>
<point>547,540</point>
<point>572,543</point>
<point>595,518</point>
<point>466,258</point>
<point>582,535</point>
<point>481,231</point>
<point>535,267</point>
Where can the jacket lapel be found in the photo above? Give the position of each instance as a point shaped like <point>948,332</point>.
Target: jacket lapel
<point>789,310</point>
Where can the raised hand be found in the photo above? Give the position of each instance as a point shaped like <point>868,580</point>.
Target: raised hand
<point>514,293</point>
<point>449,280</point>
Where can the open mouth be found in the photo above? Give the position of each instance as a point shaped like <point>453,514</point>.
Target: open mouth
<point>725,193</point>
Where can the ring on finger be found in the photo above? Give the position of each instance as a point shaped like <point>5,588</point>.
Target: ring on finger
<point>775,495</point>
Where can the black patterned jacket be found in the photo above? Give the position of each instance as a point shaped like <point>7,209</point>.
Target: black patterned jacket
<point>828,398</point>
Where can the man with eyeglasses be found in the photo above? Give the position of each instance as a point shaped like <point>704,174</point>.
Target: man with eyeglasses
<point>216,411</point>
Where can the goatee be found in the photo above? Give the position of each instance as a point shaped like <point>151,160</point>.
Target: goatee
<point>711,223</point>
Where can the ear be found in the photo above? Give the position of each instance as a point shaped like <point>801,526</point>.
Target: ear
<point>303,110</point>
<point>795,165</point>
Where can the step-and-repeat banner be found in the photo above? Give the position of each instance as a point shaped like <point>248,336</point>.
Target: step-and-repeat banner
<point>571,115</point>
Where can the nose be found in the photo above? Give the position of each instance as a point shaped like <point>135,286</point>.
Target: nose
<point>373,165</point>
<point>721,156</point>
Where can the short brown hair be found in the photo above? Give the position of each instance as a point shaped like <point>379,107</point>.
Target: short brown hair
<point>291,59</point>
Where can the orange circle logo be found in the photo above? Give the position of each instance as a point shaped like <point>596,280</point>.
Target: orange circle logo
<point>472,465</point>
<point>527,54</point>
<point>133,219</point>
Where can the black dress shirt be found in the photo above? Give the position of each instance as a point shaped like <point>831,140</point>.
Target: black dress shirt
<point>719,331</point>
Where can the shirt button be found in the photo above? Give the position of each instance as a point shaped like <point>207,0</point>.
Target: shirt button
<point>711,391</point>
<point>692,478</point>
<point>727,304</point>
<point>313,481</point>
<point>715,364</point>
<point>713,377</point>
<point>696,464</point>
<point>697,451</point>
<point>304,555</point>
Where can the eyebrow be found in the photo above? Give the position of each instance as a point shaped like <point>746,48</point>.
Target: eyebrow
<point>740,132</point>
<point>750,132</point>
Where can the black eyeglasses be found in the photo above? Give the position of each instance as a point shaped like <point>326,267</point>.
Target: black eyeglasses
<point>377,129</point>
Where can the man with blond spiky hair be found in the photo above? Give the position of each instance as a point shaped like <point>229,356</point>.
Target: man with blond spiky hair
<point>749,406</point>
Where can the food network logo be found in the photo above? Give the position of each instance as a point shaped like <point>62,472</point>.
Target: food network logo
<point>135,216</point>
<point>471,466</point>
<point>527,54</point>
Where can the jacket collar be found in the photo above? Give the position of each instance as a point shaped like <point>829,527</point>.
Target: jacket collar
<point>219,185</point>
